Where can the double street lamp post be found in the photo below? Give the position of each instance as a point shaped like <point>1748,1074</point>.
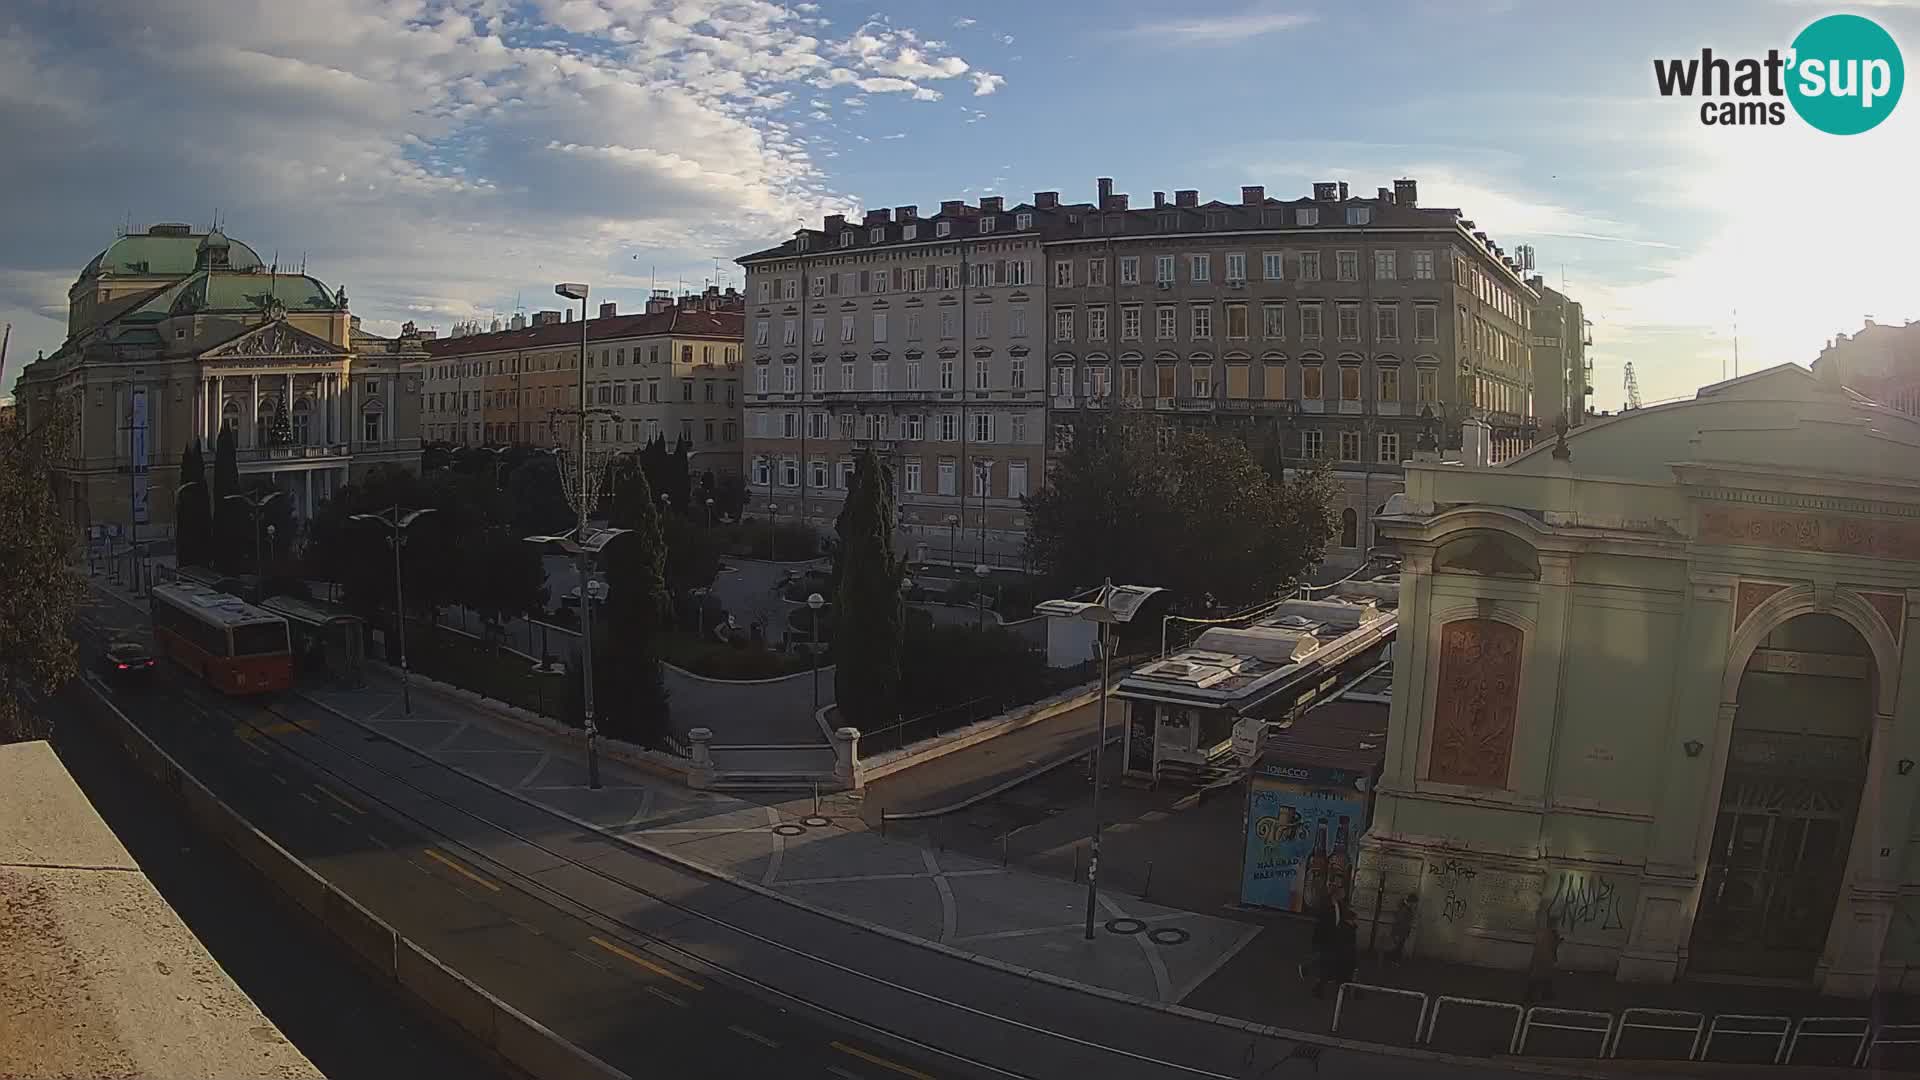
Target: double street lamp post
<point>395,521</point>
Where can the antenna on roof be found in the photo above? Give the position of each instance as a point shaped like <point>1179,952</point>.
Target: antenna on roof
<point>1736,343</point>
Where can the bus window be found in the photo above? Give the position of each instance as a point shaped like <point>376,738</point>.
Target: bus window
<point>255,639</point>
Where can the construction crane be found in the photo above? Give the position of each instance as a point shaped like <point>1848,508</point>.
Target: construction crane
<point>1633,388</point>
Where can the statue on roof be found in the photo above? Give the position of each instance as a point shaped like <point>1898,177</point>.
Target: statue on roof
<point>340,298</point>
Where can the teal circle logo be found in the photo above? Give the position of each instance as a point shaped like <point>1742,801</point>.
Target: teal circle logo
<point>1847,74</point>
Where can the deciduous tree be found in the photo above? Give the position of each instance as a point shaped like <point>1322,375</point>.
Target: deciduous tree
<point>629,691</point>
<point>38,587</point>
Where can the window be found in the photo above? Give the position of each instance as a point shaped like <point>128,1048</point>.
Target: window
<point>846,238</point>
<point>1309,266</point>
<point>879,378</point>
<point>916,278</point>
<point>1062,438</point>
<point>1017,272</point>
<point>1307,215</point>
<point>1386,322</point>
<point>370,426</point>
<point>879,284</point>
<point>1096,272</point>
<point>765,291</point>
<point>1347,265</point>
<point>982,375</point>
<point>1349,528</point>
<point>846,328</point>
<point>1426,322</point>
<point>1097,324</point>
<point>983,323</point>
<point>1097,384</point>
<point>913,374</point>
<point>1200,268</point>
<point>1163,269</point>
<point>876,425</point>
<point>760,380</point>
<point>1384,268</point>
<point>1017,373</point>
<point>1423,265</point>
<point>1063,324</point>
<point>1017,320</point>
<point>1130,270</point>
<point>1063,274</point>
<point>1273,321</point>
<point>789,472</point>
<point>1203,381</point>
<point>983,427</point>
<point>1310,375</point>
<point>819,335</point>
<point>1130,323</point>
<point>943,228</point>
<point>1236,267</point>
<point>1017,427</point>
<point>817,425</point>
<point>982,479</point>
<point>1270,267</point>
<point>789,288</point>
<point>846,425</point>
<point>1164,322</point>
<point>1389,383</point>
<point>913,326</point>
<point>946,476</point>
<point>760,332</point>
<point>789,375</point>
<point>1426,385</point>
<point>1349,321</point>
<point>988,222</point>
<point>819,285</point>
<point>817,377</point>
<point>946,277</point>
<point>1349,382</point>
<point>1237,322</point>
<point>912,428</point>
<point>1390,447</point>
<point>1349,451</point>
<point>1016,479</point>
<point>1359,215</point>
<point>910,231</point>
<point>912,476</point>
<point>762,472</point>
<point>1023,221</point>
<point>880,326</point>
<point>789,425</point>
<point>1063,382</point>
<point>1163,381</point>
<point>686,390</point>
<point>980,274</point>
<point>947,324</point>
<point>1130,382</point>
<point>819,470</point>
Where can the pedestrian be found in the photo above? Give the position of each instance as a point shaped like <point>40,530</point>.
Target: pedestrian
<point>1337,962</point>
<point>1325,921</point>
<point>1403,918</point>
<point>1546,949</point>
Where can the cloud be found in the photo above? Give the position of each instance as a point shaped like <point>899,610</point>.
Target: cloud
<point>434,158</point>
<point>963,22</point>
<point>985,83</point>
<point>1200,29</point>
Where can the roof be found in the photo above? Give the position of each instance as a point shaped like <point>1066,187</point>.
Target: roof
<point>304,610</point>
<point>1338,733</point>
<point>714,324</point>
<point>167,255</point>
<point>1242,667</point>
<point>222,608</point>
<point>227,290</point>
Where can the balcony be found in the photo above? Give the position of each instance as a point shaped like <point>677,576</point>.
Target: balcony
<point>1350,407</point>
<point>1062,401</point>
<point>290,453</point>
<point>1313,405</point>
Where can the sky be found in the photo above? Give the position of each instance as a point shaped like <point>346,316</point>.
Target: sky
<point>448,159</point>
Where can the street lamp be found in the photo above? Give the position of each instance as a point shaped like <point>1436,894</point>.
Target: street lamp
<point>814,603</point>
<point>953,537</point>
<point>396,521</point>
<point>981,572</point>
<point>255,502</point>
<point>595,542</point>
<point>1118,604</point>
<point>773,530</point>
<point>709,511</point>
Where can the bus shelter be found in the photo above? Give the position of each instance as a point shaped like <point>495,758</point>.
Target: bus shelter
<point>327,639</point>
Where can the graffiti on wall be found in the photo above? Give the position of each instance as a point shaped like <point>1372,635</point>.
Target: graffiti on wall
<point>1455,885</point>
<point>1586,904</point>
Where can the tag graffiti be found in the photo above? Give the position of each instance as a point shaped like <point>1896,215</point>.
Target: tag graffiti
<point>1583,903</point>
<point>1456,880</point>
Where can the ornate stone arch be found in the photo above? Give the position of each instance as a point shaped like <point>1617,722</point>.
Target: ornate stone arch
<point>1806,599</point>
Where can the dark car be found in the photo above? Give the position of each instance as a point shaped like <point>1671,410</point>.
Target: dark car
<point>127,661</point>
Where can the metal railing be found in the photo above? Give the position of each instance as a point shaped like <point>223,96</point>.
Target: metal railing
<point>1340,1002</point>
<point>1566,1020</point>
<point>1513,1036</point>
<point>1698,1028</point>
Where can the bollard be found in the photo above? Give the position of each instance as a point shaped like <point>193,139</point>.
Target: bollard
<point>1148,887</point>
<point>1076,862</point>
<point>816,798</point>
<point>1003,849</point>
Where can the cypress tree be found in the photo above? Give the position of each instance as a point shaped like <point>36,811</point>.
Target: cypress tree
<point>232,530</point>
<point>629,690</point>
<point>193,514</point>
<point>869,612</point>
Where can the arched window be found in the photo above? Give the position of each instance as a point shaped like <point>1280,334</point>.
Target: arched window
<point>303,422</point>
<point>230,416</point>
<point>1349,528</point>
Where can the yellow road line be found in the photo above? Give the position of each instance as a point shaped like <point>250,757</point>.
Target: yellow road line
<point>459,869</point>
<point>875,1059</point>
<point>646,963</point>
<point>339,798</point>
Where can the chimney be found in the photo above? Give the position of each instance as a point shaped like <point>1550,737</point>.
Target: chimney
<point>566,316</point>
<point>1252,194</point>
<point>1046,200</point>
<point>1323,191</point>
<point>1106,189</point>
<point>990,204</point>
<point>1116,202</point>
<point>836,222</point>
<point>609,309</point>
<point>906,213</point>
<point>660,301</point>
<point>1383,195</point>
<point>953,207</point>
<point>1343,191</point>
<point>879,217</point>
<point>1188,197</point>
<point>1159,199</point>
<point>1406,193</point>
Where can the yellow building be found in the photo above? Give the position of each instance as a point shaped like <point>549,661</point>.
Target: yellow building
<point>672,371</point>
<point>174,334</point>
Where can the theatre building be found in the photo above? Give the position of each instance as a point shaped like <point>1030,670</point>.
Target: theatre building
<point>1653,684</point>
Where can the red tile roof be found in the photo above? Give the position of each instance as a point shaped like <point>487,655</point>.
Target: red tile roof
<point>707,324</point>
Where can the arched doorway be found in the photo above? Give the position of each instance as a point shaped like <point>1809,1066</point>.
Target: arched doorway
<point>1796,765</point>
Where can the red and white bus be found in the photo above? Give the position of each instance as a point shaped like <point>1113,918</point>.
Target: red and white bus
<point>234,647</point>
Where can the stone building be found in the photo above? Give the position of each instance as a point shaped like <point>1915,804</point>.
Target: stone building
<point>672,371</point>
<point>175,334</point>
<point>1880,361</point>
<point>1656,685</point>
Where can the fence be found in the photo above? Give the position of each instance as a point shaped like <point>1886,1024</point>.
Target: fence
<point>503,674</point>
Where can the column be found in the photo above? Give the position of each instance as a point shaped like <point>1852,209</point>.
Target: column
<point>306,508</point>
<point>287,402</point>
<point>250,417</point>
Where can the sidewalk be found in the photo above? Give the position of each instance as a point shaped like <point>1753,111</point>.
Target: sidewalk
<point>975,772</point>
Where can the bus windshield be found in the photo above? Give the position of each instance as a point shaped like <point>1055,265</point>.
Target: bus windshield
<point>254,639</point>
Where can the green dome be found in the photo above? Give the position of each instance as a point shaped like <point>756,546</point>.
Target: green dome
<point>168,251</point>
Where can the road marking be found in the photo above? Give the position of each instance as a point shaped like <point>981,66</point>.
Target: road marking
<point>594,960</point>
<point>666,997</point>
<point>875,1059</point>
<point>459,869</point>
<point>376,839</point>
<point>646,963</point>
<point>308,795</point>
<point>527,926</point>
<point>754,1035</point>
<point>256,747</point>
<point>842,1073</point>
<point>339,798</point>
<point>339,817</point>
<point>280,778</point>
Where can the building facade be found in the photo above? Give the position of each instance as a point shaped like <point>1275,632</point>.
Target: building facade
<point>1655,686</point>
<point>672,372</point>
<point>177,334</point>
<point>1882,362</point>
<point>1562,370</point>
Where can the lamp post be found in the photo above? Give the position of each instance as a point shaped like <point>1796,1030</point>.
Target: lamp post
<point>773,530</point>
<point>814,603</point>
<point>582,550</point>
<point>396,522</point>
<point>980,601</point>
<point>709,511</point>
<point>255,502</point>
<point>953,537</point>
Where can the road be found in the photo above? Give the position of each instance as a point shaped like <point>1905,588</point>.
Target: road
<point>657,969</point>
